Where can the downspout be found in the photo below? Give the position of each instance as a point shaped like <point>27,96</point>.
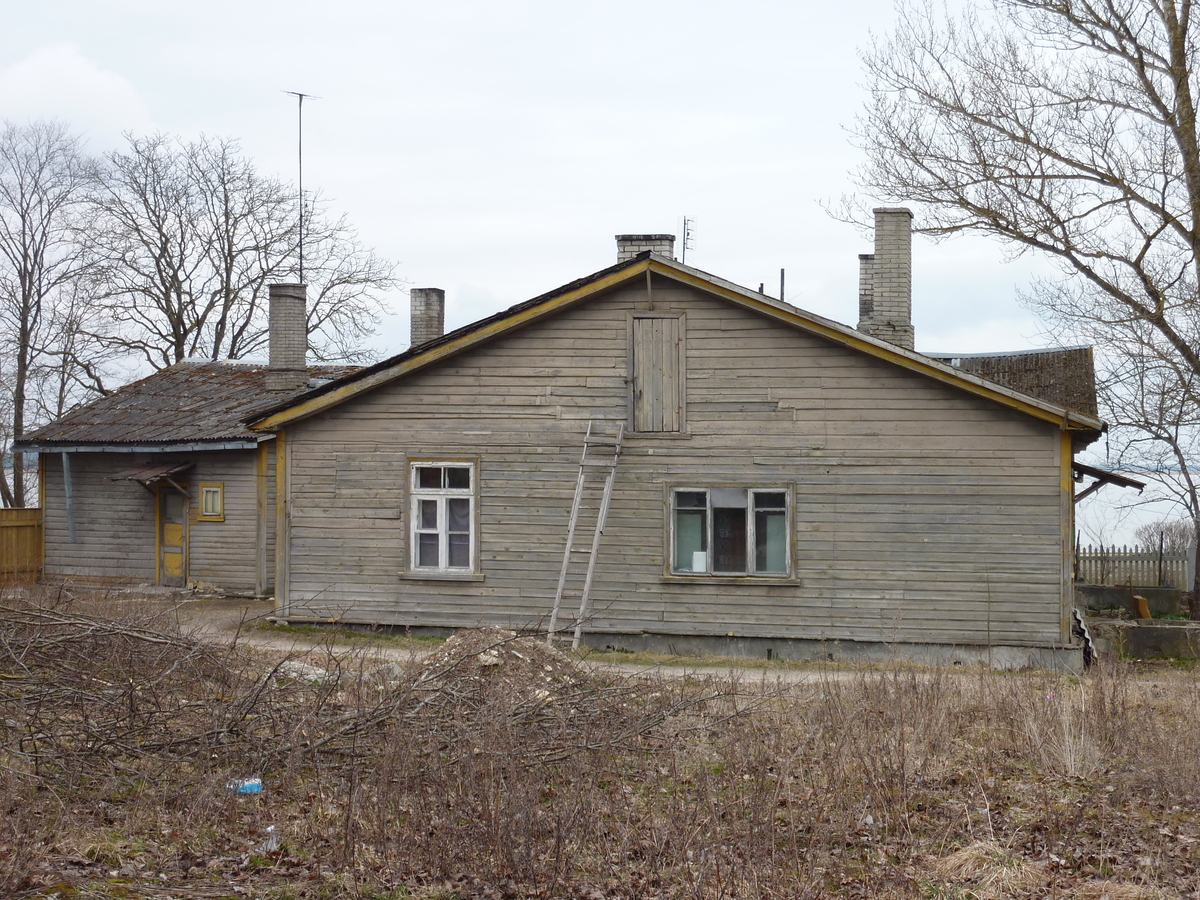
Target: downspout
<point>68,489</point>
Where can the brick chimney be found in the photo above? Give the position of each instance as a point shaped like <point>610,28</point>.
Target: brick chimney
<point>885,280</point>
<point>427,314</point>
<point>630,245</point>
<point>288,337</point>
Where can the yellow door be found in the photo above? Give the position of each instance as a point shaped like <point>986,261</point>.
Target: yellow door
<point>172,536</point>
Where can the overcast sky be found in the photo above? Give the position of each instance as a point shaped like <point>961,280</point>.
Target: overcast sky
<point>494,147</point>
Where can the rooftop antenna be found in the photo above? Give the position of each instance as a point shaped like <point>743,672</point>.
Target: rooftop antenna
<point>687,237</point>
<point>300,98</point>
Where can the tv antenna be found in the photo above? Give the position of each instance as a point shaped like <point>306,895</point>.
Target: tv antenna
<point>300,98</point>
<point>687,237</point>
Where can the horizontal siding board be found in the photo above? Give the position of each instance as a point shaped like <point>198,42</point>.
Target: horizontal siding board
<point>919,512</point>
<point>115,520</point>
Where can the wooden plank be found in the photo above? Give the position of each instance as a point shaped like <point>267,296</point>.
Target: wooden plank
<point>21,540</point>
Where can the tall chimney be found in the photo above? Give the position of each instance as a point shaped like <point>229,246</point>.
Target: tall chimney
<point>866,288</point>
<point>288,335</point>
<point>885,280</point>
<point>427,312</point>
<point>630,245</point>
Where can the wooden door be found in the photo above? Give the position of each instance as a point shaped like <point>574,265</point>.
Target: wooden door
<point>172,536</point>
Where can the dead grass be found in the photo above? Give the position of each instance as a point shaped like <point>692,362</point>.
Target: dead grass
<point>499,768</point>
<point>321,635</point>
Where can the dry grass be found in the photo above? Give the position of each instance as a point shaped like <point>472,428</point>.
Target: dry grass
<point>498,768</point>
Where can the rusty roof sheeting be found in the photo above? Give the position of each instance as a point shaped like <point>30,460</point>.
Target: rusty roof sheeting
<point>190,401</point>
<point>1064,376</point>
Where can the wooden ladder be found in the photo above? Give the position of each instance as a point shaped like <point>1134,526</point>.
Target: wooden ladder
<point>587,464</point>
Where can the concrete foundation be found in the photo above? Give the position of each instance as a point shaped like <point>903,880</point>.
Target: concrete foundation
<point>1057,659</point>
<point>1146,638</point>
<point>1007,658</point>
<point>1162,601</point>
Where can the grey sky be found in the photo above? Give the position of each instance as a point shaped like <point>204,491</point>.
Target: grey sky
<point>494,148</point>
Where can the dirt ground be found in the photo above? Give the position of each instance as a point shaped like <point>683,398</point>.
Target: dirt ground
<point>139,762</point>
<point>224,619</point>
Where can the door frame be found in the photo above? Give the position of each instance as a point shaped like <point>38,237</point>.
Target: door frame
<point>182,488</point>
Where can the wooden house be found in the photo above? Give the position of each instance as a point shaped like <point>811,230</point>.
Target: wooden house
<point>161,482</point>
<point>787,485</point>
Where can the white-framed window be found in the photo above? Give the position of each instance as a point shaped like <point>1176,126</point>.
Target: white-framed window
<point>212,501</point>
<point>731,531</point>
<point>442,518</point>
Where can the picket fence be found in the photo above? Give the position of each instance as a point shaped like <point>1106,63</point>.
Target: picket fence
<point>1128,565</point>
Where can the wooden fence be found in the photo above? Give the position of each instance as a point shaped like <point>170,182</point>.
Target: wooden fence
<point>1127,565</point>
<point>20,545</point>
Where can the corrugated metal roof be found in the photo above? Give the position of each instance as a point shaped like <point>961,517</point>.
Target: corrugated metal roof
<point>190,401</point>
<point>1064,376</point>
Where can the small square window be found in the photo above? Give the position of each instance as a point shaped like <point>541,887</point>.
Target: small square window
<point>212,502</point>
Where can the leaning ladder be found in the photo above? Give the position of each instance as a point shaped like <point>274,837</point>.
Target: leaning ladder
<point>587,463</point>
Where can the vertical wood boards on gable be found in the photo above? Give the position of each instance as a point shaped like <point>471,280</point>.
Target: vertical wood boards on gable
<point>920,513</point>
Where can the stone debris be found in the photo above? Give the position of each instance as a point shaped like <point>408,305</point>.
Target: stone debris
<point>505,657</point>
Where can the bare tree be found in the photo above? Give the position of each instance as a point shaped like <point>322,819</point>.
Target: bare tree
<point>1066,127</point>
<point>345,279</point>
<point>184,239</point>
<point>41,186</point>
<point>1172,535</point>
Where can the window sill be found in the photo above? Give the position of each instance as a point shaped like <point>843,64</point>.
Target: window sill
<point>659,435</point>
<point>440,576</point>
<point>731,579</point>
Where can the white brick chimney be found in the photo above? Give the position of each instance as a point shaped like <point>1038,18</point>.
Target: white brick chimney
<point>427,314</point>
<point>288,336</point>
<point>630,245</point>
<point>885,280</point>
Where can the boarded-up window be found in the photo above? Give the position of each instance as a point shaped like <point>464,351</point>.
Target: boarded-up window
<point>658,376</point>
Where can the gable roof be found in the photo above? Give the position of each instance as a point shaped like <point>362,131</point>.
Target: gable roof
<point>189,405</point>
<point>1065,376</point>
<point>639,267</point>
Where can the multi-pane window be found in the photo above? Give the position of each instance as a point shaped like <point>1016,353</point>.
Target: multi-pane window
<point>443,517</point>
<point>212,501</point>
<point>730,531</point>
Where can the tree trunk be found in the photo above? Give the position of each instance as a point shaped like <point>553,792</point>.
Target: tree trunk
<point>1194,605</point>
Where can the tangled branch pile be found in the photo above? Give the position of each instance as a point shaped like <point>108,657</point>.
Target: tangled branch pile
<point>497,767</point>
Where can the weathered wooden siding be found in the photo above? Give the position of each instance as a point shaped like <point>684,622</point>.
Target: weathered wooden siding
<point>115,520</point>
<point>921,513</point>
<point>225,553</point>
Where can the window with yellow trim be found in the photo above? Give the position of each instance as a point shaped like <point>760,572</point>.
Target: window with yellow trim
<point>212,501</point>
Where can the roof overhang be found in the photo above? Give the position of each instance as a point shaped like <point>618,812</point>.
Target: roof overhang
<point>150,474</point>
<point>1103,477</point>
<point>134,447</point>
<point>643,266</point>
